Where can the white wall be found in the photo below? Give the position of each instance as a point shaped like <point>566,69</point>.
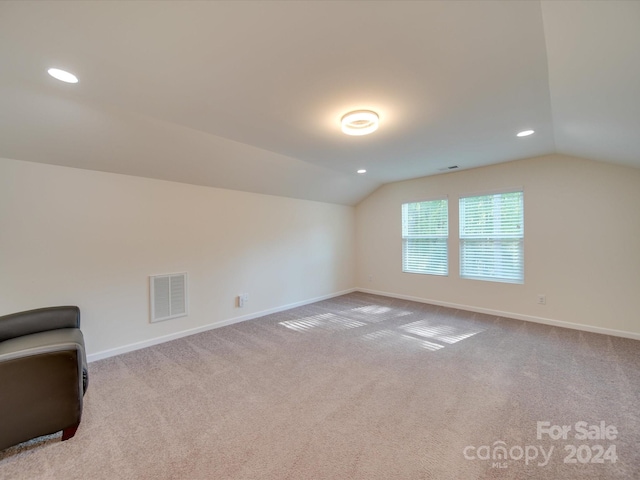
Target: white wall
<point>582,243</point>
<point>91,239</point>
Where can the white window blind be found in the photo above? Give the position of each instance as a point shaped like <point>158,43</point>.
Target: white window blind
<point>425,232</point>
<point>491,237</point>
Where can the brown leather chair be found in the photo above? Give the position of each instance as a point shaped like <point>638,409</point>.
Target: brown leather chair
<point>43,374</point>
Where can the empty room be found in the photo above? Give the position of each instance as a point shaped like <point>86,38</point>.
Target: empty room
<point>315,240</point>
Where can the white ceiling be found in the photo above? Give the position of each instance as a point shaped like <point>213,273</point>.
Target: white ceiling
<point>249,95</point>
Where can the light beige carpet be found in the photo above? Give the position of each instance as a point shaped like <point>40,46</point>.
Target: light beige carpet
<point>357,387</point>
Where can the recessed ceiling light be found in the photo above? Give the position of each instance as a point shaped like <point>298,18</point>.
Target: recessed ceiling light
<point>62,75</point>
<point>525,133</point>
<point>361,171</point>
<point>360,122</point>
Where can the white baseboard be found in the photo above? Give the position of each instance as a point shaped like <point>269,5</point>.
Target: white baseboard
<point>517,316</point>
<point>222,323</point>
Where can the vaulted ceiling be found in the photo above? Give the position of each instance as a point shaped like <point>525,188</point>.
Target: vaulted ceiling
<point>249,95</point>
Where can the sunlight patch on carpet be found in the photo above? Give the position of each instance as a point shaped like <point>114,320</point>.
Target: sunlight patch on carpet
<point>376,313</point>
<point>441,333</point>
<point>389,338</point>
<point>323,321</point>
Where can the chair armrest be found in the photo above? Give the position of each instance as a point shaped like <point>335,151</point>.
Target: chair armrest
<point>41,384</point>
<point>40,320</point>
<point>42,343</point>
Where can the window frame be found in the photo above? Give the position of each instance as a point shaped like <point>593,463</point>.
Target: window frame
<point>440,238</point>
<point>501,237</point>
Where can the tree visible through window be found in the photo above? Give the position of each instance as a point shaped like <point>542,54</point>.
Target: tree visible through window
<point>425,232</point>
<point>491,237</point>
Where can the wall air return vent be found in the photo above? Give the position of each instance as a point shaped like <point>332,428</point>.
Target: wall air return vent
<point>168,295</point>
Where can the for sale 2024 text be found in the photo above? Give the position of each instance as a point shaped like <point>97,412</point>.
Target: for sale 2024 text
<point>582,431</point>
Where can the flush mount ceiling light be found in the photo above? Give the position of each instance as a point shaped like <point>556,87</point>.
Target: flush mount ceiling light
<point>525,133</point>
<point>362,171</point>
<point>62,75</point>
<point>360,122</point>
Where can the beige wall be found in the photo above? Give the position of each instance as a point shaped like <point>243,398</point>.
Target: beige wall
<point>71,236</point>
<point>91,239</point>
<point>582,243</point>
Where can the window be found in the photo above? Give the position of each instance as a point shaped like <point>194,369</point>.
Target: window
<point>425,232</point>
<point>491,237</point>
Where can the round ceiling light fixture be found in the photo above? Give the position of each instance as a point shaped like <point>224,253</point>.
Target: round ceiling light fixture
<point>360,122</point>
<point>62,75</point>
<point>525,133</point>
<point>362,171</point>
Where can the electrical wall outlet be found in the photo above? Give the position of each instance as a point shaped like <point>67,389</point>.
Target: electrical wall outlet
<point>243,298</point>
<point>542,299</point>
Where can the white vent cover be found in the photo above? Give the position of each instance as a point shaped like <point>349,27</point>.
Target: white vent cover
<point>168,296</point>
